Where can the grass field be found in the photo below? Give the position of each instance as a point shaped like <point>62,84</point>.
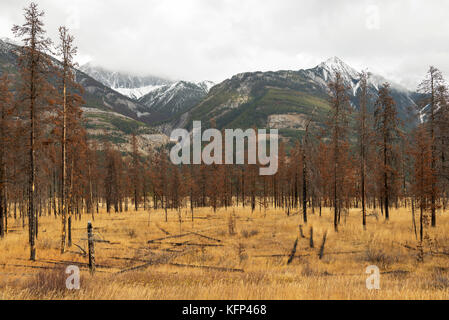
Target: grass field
<point>229,254</point>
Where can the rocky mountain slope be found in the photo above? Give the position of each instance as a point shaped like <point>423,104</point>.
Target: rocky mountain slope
<point>107,113</point>
<point>284,99</point>
<point>167,102</point>
<point>276,99</point>
<point>159,100</point>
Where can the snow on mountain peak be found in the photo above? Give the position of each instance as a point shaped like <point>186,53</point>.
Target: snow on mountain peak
<point>10,41</point>
<point>333,61</point>
<point>7,44</point>
<point>326,71</point>
<point>127,84</point>
<point>334,65</point>
<point>206,85</point>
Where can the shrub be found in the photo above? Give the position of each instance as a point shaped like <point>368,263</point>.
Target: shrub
<point>379,257</point>
<point>248,234</point>
<point>49,282</point>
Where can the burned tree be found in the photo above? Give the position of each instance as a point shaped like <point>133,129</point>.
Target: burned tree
<point>387,128</point>
<point>338,127</point>
<point>428,111</point>
<point>35,66</point>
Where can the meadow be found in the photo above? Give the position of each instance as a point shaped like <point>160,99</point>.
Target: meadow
<point>232,253</point>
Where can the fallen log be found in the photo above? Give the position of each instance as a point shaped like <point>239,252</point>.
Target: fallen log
<point>41,267</point>
<point>206,237</point>
<point>303,254</point>
<point>164,231</point>
<point>283,255</point>
<point>128,259</point>
<point>103,241</point>
<point>25,266</point>
<point>84,264</point>
<point>170,237</point>
<point>159,260</point>
<point>185,234</point>
<point>83,251</point>
<point>206,267</point>
<point>187,243</point>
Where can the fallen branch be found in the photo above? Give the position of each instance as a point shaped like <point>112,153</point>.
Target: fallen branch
<point>280,256</point>
<point>303,254</point>
<point>417,249</point>
<point>25,266</point>
<point>187,243</point>
<point>440,253</point>
<point>159,260</point>
<point>104,241</point>
<point>186,234</point>
<point>207,218</point>
<point>170,237</point>
<point>128,259</point>
<point>206,237</point>
<point>40,267</point>
<point>83,251</point>
<point>17,274</point>
<point>163,230</point>
<point>206,267</point>
<point>84,264</point>
<point>75,252</point>
<point>407,246</point>
<point>177,244</point>
<point>169,250</point>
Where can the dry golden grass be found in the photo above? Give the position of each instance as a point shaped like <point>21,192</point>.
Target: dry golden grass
<point>340,274</point>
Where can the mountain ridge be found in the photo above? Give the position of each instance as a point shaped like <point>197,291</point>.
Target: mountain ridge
<point>283,99</point>
<point>128,84</point>
<point>108,114</point>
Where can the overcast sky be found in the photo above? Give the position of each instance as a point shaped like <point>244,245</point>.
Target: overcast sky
<point>215,39</point>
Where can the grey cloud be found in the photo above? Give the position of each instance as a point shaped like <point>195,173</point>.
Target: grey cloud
<point>204,39</point>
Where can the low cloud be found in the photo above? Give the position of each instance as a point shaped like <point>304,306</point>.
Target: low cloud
<point>203,39</point>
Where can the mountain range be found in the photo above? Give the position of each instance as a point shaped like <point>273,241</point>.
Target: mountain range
<point>159,99</point>
<point>108,115</point>
<point>127,84</point>
<point>286,99</point>
<point>118,104</point>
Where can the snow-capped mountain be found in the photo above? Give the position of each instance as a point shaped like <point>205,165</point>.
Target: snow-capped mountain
<point>9,41</point>
<point>158,98</point>
<point>127,84</point>
<point>107,114</point>
<point>279,99</point>
<point>326,71</point>
<point>96,95</point>
<point>136,93</point>
<point>206,85</point>
<point>284,99</point>
<point>166,101</point>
